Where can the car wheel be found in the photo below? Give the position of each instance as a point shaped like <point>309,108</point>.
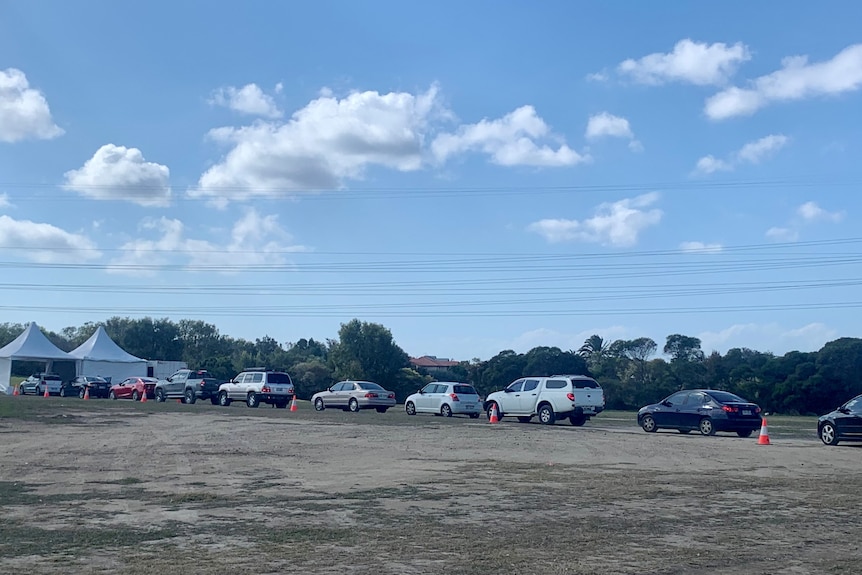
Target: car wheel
<point>706,426</point>
<point>410,408</point>
<point>577,420</point>
<point>684,431</point>
<point>81,393</point>
<point>318,405</point>
<point>252,400</point>
<point>547,415</point>
<point>382,409</point>
<point>112,395</point>
<point>160,395</point>
<point>445,410</point>
<point>223,399</point>
<point>190,396</point>
<point>353,405</point>
<point>214,400</point>
<point>280,404</point>
<point>135,395</point>
<point>828,434</point>
<point>524,419</point>
<point>648,424</point>
<point>474,416</point>
<point>62,392</point>
<point>491,408</point>
<point>745,432</point>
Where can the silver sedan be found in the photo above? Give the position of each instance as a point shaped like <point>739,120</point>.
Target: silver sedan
<point>353,396</point>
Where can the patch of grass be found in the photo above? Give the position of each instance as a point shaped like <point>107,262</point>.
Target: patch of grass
<point>16,493</point>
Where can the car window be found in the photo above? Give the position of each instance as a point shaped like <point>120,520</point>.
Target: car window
<point>465,390</point>
<point>429,388</point>
<point>579,383</point>
<point>369,385</point>
<point>697,399</point>
<point>725,397</point>
<point>516,386</point>
<point>677,398</point>
<point>278,377</point>
<point>854,405</point>
<point>556,384</point>
<point>531,384</point>
<point>256,377</point>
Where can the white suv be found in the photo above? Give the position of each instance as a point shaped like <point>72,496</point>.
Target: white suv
<point>258,385</point>
<point>549,398</point>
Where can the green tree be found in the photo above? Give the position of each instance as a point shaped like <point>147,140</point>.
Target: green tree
<point>366,351</point>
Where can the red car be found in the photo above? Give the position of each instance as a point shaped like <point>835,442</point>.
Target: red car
<point>134,388</point>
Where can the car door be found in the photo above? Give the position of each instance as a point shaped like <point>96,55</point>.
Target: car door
<point>425,399</point>
<point>528,396</point>
<point>236,390</point>
<point>697,406</point>
<point>510,400</point>
<point>125,389</point>
<point>336,396</point>
<point>849,422</point>
<point>178,382</point>
<point>665,414</point>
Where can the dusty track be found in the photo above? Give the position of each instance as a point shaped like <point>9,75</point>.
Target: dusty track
<point>238,491</point>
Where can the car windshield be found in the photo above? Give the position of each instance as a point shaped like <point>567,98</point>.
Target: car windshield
<point>369,385</point>
<point>94,379</point>
<point>585,383</point>
<point>52,377</point>
<point>465,390</point>
<point>725,397</point>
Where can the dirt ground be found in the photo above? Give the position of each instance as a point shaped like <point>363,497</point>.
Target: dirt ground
<point>113,487</point>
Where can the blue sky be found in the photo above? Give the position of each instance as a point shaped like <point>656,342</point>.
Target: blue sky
<point>476,176</point>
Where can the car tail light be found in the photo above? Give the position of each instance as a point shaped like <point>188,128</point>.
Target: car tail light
<point>756,410</point>
<point>391,396</point>
<point>265,389</point>
<point>454,397</point>
<point>570,396</point>
<point>370,395</point>
<point>730,409</point>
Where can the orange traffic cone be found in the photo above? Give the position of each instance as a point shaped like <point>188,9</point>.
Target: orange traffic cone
<point>764,433</point>
<point>293,404</point>
<point>494,418</point>
<point>15,391</point>
<point>87,392</point>
<point>144,396</point>
<point>46,394</point>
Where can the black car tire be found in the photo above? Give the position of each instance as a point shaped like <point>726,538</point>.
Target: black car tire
<point>135,395</point>
<point>578,420</point>
<point>474,416</point>
<point>280,404</point>
<point>214,400</point>
<point>445,410</point>
<point>524,419</point>
<point>382,409</point>
<point>706,426</point>
<point>491,408</point>
<point>410,408</point>
<point>223,399</point>
<point>828,434</point>
<point>648,424</point>
<point>62,391</point>
<point>160,395</point>
<point>745,432</point>
<point>546,415</point>
<point>318,405</point>
<point>252,400</point>
<point>684,431</point>
<point>81,393</point>
<point>353,405</point>
<point>112,395</point>
<point>190,396</point>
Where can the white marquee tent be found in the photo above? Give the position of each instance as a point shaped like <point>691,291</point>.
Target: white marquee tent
<point>31,345</point>
<point>100,355</point>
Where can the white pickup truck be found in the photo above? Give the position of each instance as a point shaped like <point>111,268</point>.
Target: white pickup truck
<point>576,397</point>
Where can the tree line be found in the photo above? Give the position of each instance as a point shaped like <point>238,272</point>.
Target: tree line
<point>628,370</point>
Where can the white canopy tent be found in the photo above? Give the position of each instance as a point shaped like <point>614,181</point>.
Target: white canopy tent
<point>31,345</point>
<point>100,355</point>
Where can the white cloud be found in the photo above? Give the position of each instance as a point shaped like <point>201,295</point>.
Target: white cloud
<point>510,141</point>
<point>811,212</point>
<point>782,234</point>
<point>120,173</point>
<point>771,337</point>
<point>45,243</point>
<point>752,152</point>
<point>323,144</point>
<point>254,240</point>
<point>700,247</point>
<point>617,224</point>
<point>697,63</point>
<point>4,200</point>
<point>24,111</point>
<point>608,125</point>
<point>249,99</point>
<point>796,80</point>
<point>598,76</point>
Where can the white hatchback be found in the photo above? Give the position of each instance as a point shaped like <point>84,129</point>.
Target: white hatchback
<point>445,398</point>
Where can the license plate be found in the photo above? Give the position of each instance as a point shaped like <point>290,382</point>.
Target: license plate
<point>746,412</point>
<point>279,390</point>
<point>589,409</point>
<point>469,406</point>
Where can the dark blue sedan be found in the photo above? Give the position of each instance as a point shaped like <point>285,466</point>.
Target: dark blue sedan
<point>705,410</point>
<point>843,424</point>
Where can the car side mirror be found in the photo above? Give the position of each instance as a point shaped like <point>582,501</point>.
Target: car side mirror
<point>843,409</point>
<point>667,403</point>
<point>420,391</point>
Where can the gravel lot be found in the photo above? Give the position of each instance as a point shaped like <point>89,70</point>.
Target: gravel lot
<point>130,488</point>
